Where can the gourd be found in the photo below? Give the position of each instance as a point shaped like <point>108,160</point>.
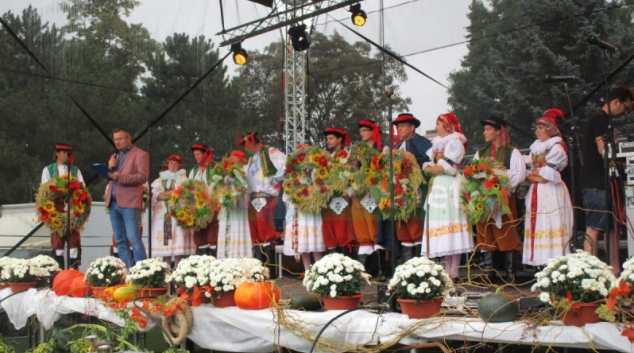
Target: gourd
<point>498,307</point>
<point>256,296</point>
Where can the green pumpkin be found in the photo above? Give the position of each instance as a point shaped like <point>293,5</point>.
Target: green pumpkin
<point>498,307</point>
<point>308,302</point>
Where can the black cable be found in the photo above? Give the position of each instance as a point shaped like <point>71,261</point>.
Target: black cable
<point>165,333</point>
<point>23,45</point>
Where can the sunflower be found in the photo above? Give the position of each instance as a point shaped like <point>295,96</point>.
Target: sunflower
<point>66,176</point>
<point>384,204</point>
<point>54,214</point>
<point>174,198</point>
<point>478,207</point>
<point>314,158</point>
<point>322,172</point>
<point>181,215</point>
<point>298,196</point>
<point>288,186</point>
<point>62,191</point>
<point>77,193</point>
<point>294,175</point>
<point>80,208</point>
<point>49,206</point>
<point>56,222</point>
<point>200,204</point>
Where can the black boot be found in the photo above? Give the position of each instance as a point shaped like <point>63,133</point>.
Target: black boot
<point>417,250</point>
<point>332,251</point>
<point>363,259</point>
<point>211,252</point>
<point>60,261</point>
<point>488,265</point>
<point>510,266</point>
<point>258,253</point>
<point>202,251</point>
<point>347,251</point>
<point>408,253</point>
<point>380,257</point>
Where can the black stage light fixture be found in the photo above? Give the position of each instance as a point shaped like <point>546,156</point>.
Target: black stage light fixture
<point>300,39</point>
<point>240,56</point>
<point>358,16</point>
<point>267,3</point>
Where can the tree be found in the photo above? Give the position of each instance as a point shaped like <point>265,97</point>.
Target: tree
<point>503,71</point>
<point>205,115</point>
<point>346,83</point>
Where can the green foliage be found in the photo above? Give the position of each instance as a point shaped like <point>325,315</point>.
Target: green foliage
<point>503,73</point>
<point>5,348</point>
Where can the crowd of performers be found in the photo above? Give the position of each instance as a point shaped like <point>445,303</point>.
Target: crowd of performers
<point>439,228</point>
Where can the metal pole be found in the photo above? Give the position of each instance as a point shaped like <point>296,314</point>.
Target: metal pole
<point>149,211</point>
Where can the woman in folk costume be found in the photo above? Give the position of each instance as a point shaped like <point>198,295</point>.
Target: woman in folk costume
<point>303,233</point>
<point>168,238</point>
<point>549,213</point>
<point>446,231</point>
<point>234,237</point>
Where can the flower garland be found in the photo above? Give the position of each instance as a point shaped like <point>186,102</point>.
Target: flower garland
<point>336,275</point>
<point>105,272</point>
<point>407,180</point>
<point>191,205</point>
<point>420,279</point>
<point>367,177</point>
<point>306,182</point>
<point>229,184</point>
<point>485,189</point>
<point>50,208</point>
<point>149,273</point>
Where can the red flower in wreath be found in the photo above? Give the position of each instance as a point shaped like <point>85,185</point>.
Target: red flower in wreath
<point>398,188</point>
<point>301,156</point>
<point>466,196</point>
<point>407,168</point>
<point>305,192</point>
<point>294,162</point>
<point>318,181</point>
<point>53,188</point>
<point>77,214</point>
<point>398,201</point>
<point>190,187</point>
<point>323,189</point>
<point>44,215</point>
<point>296,182</point>
<point>483,167</point>
<point>468,171</point>
<point>374,180</point>
<point>342,154</point>
<point>491,183</point>
<point>407,161</point>
<point>289,169</point>
<point>74,185</point>
<point>323,161</point>
<point>82,196</point>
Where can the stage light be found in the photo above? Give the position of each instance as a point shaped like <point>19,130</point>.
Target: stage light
<point>358,16</point>
<point>240,56</point>
<point>300,39</point>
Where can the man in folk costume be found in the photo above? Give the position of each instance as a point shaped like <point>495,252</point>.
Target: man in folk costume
<point>63,154</point>
<point>206,239</point>
<point>265,171</point>
<point>365,213</point>
<point>500,234</point>
<point>410,232</point>
<point>336,219</point>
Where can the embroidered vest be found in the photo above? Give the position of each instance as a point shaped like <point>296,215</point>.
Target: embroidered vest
<point>194,171</point>
<point>503,154</point>
<point>52,170</point>
<point>268,169</point>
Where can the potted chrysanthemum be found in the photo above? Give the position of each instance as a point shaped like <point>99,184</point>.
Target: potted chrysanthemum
<point>225,275</point>
<point>150,276</point>
<point>338,280</point>
<point>575,284</point>
<point>23,274</point>
<point>192,279</point>
<point>4,263</point>
<point>420,286</point>
<point>105,272</point>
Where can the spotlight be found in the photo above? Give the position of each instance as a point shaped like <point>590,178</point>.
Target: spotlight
<point>240,56</point>
<point>358,16</point>
<point>300,39</point>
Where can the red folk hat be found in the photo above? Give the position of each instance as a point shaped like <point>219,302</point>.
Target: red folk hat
<point>68,148</point>
<point>175,158</point>
<point>554,114</point>
<point>339,133</point>
<point>376,131</point>
<point>205,149</point>
<point>406,118</point>
<point>249,140</point>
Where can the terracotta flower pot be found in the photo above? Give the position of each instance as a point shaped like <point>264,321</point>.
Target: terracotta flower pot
<point>345,302</point>
<point>584,315</point>
<point>21,286</point>
<point>203,299</point>
<point>223,299</point>
<point>421,310</point>
<point>152,292</point>
<point>3,286</point>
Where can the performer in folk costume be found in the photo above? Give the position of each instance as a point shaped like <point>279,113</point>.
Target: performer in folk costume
<point>265,171</point>
<point>205,239</point>
<point>168,238</point>
<point>337,228</point>
<point>504,237</point>
<point>549,214</point>
<point>446,232</point>
<point>304,229</point>
<point>63,154</point>
<point>410,233</point>
<point>365,223</point>
<point>234,237</point>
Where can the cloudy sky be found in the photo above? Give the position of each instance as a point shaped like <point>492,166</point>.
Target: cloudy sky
<point>411,27</point>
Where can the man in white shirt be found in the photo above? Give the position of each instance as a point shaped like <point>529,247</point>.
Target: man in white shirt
<point>206,239</point>
<point>64,157</point>
<point>265,171</point>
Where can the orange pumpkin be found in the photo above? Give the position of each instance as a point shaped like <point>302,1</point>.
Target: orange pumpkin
<point>63,281</point>
<point>256,296</point>
<point>79,288</point>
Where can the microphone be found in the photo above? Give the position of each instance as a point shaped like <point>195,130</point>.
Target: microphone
<point>115,156</point>
<point>555,78</point>
<point>602,44</point>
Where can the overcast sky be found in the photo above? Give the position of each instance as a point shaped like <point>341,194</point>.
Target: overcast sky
<point>411,26</point>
